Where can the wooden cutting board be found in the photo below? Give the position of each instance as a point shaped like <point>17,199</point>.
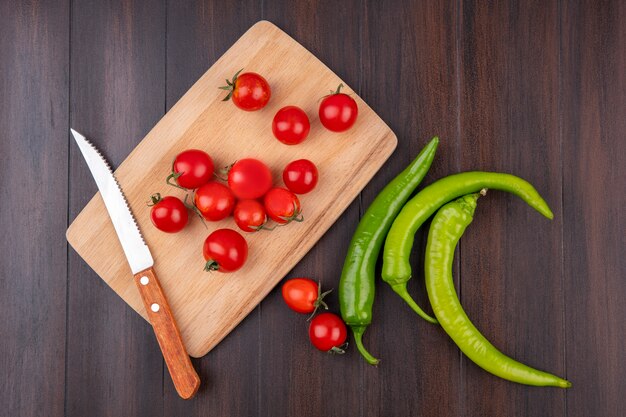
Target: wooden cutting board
<point>207,306</point>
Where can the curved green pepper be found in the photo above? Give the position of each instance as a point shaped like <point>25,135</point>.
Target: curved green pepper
<point>356,287</point>
<point>446,229</point>
<point>396,268</point>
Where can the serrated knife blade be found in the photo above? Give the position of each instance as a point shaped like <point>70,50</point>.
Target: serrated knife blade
<point>184,376</point>
<point>135,248</point>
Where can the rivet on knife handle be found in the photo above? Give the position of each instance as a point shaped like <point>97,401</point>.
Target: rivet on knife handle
<point>183,374</point>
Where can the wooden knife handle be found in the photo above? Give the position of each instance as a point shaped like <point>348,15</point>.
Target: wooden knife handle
<point>185,378</point>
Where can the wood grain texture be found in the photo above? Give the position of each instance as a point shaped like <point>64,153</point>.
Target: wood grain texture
<point>533,88</point>
<point>593,125</point>
<point>34,96</point>
<point>117,90</point>
<point>184,376</point>
<point>207,307</point>
<point>510,256</point>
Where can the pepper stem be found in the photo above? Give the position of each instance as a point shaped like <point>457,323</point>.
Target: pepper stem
<point>358,340</point>
<point>401,290</point>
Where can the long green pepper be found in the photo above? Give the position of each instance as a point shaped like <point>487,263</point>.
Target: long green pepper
<point>396,268</point>
<point>446,229</point>
<point>357,284</point>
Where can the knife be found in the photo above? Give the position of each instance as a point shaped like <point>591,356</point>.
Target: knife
<point>184,376</point>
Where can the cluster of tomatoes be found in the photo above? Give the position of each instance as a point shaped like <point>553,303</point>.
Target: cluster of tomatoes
<point>327,331</point>
<point>337,113</point>
<point>250,91</point>
<point>248,195</point>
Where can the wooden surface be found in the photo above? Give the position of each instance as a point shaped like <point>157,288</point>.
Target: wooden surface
<point>537,88</point>
<point>208,306</point>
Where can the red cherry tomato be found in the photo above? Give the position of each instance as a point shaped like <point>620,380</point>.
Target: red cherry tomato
<point>215,201</point>
<point>225,250</point>
<point>300,176</point>
<point>303,295</point>
<point>338,111</point>
<point>191,169</point>
<point>249,179</point>
<point>327,332</point>
<point>249,91</point>
<point>282,206</point>
<point>249,215</point>
<point>291,125</point>
<point>168,214</point>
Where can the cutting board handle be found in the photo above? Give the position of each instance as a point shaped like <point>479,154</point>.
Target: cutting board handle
<point>184,376</point>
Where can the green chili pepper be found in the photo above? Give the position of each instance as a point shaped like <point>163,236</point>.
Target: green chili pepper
<point>356,287</point>
<point>396,268</point>
<point>446,229</point>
